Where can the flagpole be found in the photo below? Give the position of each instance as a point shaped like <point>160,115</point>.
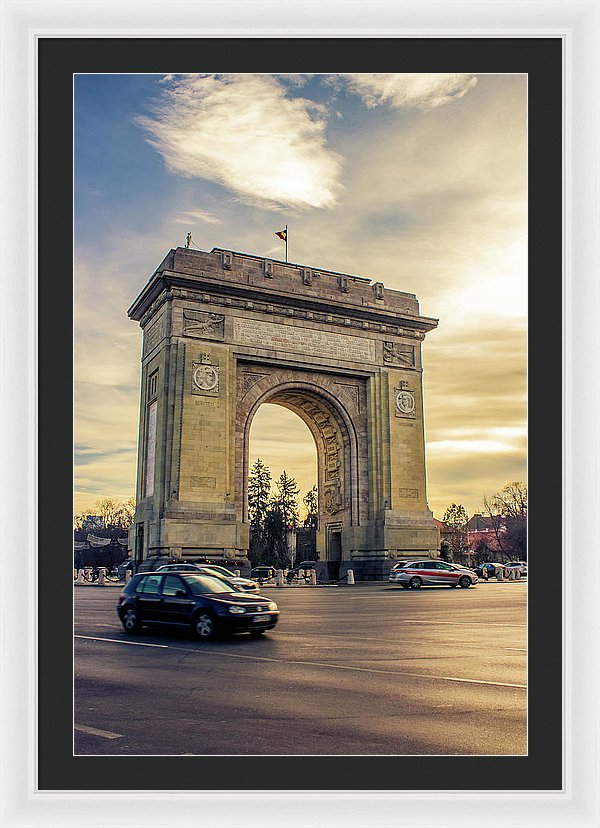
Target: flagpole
<point>286,242</point>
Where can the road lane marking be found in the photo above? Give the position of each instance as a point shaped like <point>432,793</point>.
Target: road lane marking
<point>518,649</point>
<point>93,624</point>
<point>122,641</point>
<point>315,664</point>
<point>369,670</point>
<point>105,734</point>
<point>463,623</point>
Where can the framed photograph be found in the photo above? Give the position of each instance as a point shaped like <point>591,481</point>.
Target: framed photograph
<point>120,133</point>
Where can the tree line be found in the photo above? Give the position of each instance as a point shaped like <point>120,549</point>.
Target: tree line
<point>274,515</point>
<point>116,516</point>
<point>504,538</point>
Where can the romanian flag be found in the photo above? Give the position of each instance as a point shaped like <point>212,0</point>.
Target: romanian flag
<point>282,234</point>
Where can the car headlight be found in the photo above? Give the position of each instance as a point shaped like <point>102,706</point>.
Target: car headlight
<point>272,606</point>
<point>235,610</point>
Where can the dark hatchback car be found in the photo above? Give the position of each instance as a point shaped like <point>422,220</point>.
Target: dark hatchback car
<point>301,570</point>
<point>263,573</point>
<point>201,603</point>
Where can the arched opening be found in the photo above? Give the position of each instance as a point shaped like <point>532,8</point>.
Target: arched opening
<point>282,451</point>
<point>339,454</point>
<point>283,441</point>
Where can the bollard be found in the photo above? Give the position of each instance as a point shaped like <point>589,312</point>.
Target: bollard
<point>512,573</point>
<point>279,578</point>
<point>500,574</point>
<point>127,575</point>
<point>74,573</point>
<point>313,577</point>
<point>517,575</point>
<point>102,576</point>
<point>236,572</point>
<point>80,577</point>
<point>350,577</point>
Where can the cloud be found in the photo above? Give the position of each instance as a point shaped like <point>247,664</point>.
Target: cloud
<point>413,89</point>
<point>242,131</point>
<point>199,215</point>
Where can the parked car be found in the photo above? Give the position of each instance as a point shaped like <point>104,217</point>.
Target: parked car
<point>295,572</point>
<point>520,565</point>
<point>244,584</point>
<point>124,566</point>
<point>491,568</point>
<point>263,573</point>
<point>398,565</point>
<point>180,567</point>
<point>429,572</point>
<point>204,604</point>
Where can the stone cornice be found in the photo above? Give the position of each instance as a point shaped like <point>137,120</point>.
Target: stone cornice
<point>209,290</point>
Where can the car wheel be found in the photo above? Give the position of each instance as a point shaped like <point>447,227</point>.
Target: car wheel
<point>130,620</point>
<point>464,582</point>
<point>205,626</point>
<point>415,583</point>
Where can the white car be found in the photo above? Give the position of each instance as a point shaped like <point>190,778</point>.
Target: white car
<point>243,584</point>
<point>430,572</point>
<point>520,565</point>
<point>222,572</point>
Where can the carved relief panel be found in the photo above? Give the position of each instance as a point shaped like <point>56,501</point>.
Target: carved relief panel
<point>395,353</point>
<point>203,325</point>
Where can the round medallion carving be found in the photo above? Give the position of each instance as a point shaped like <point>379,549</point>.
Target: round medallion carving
<point>206,378</point>
<point>405,402</point>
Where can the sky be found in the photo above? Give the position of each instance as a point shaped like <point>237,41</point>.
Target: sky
<point>415,180</point>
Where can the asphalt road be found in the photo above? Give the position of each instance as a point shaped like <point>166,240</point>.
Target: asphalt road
<point>369,669</point>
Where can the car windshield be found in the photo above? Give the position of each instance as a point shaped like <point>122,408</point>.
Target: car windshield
<point>200,584</point>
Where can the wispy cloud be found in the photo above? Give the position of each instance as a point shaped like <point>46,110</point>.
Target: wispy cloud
<point>416,90</point>
<point>244,132</point>
<point>198,215</point>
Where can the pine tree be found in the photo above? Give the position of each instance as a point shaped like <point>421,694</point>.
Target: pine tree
<point>311,501</point>
<point>287,491</point>
<point>259,492</point>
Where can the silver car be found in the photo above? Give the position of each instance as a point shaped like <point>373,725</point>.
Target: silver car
<point>243,584</point>
<point>416,574</point>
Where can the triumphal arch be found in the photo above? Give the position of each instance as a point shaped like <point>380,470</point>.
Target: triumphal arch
<point>225,332</point>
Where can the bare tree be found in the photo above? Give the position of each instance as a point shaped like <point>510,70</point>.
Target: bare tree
<point>109,509</point>
<point>115,514</point>
<point>506,511</point>
<point>78,520</point>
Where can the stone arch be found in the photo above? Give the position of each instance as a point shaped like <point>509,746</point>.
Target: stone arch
<point>225,332</point>
<point>336,430</point>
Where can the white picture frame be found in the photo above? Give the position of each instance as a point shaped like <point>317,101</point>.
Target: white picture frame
<point>578,24</point>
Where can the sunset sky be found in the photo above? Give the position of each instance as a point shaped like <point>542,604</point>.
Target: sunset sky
<point>418,181</point>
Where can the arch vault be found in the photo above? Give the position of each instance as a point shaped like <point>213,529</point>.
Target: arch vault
<point>224,333</point>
